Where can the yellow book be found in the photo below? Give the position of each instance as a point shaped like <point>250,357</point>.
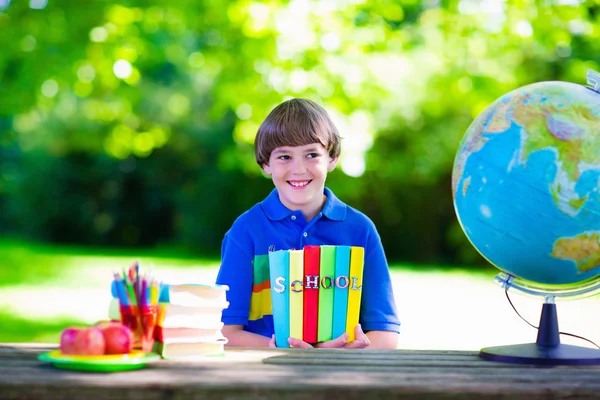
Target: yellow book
<point>357,261</point>
<point>296,292</point>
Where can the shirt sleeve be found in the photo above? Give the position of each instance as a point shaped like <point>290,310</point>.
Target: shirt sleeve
<point>378,307</point>
<point>236,271</point>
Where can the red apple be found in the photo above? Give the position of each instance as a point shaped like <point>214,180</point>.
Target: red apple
<point>90,341</point>
<point>118,338</point>
<point>67,340</point>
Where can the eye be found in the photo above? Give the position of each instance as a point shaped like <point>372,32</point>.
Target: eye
<point>284,157</point>
<point>312,155</point>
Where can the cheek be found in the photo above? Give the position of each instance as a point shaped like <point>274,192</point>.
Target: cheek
<point>279,172</point>
<point>321,168</point>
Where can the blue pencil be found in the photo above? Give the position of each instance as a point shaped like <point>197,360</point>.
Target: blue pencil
<point>121,290</point>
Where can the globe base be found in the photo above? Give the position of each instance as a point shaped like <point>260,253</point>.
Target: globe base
<point>547,350</point>
<point>533,353</point>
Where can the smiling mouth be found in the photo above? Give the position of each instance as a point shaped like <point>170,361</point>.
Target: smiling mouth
<point>299,184</point>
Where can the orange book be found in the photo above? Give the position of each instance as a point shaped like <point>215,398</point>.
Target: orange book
<point>312,256</point>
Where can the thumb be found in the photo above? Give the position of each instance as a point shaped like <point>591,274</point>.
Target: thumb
<point>300,344</point>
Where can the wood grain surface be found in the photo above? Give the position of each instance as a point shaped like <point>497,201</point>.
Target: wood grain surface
<point>253,374</point>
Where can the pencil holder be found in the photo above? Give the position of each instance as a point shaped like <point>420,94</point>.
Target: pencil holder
<point>142,321</point>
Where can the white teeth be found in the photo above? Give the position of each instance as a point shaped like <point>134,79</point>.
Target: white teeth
<point>299,184</point>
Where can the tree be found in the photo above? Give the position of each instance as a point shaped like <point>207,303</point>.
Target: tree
<point>98,98</point>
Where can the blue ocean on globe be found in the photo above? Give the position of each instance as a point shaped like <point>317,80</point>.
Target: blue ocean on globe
<point>525,183</point>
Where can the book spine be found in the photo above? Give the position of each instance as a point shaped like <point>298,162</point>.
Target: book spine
<point>186,334</point>
<point>311,293</point>
<point>279,264</point>
<point>326,293</point>
<point>340,296</point>
<point>357,260</point>
<point>296,297</point>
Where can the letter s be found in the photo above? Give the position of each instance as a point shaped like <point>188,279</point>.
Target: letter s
<point>279,287</point>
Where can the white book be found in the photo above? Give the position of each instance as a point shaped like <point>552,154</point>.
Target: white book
<point>195,294</point>
<point>176,316</point>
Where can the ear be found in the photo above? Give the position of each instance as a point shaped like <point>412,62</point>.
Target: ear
<point>332,163</point>
<point>267,168</point>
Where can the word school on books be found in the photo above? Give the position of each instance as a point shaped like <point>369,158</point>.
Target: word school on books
<point>313,282</point>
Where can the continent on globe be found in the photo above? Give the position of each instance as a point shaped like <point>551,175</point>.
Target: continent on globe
<point>552,118</point>
<point>583,249</point>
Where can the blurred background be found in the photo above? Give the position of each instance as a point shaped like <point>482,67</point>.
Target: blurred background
<point>126,132</point>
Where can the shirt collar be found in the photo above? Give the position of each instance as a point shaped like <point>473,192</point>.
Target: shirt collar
<point>334,209</point>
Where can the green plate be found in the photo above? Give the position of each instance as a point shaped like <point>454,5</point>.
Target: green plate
<point>105,363</point>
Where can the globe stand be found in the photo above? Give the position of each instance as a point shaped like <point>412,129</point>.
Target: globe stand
<point>547,350</point>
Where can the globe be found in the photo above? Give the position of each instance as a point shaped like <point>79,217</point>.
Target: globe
<point>525,186</point>
<point>525,183</point>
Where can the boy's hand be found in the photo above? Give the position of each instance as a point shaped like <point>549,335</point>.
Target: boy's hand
<point>272,342</point>
<point>331,344</point>
<point>361,342</point>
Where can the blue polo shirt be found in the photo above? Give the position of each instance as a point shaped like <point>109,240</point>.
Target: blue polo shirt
<point>245,262</point>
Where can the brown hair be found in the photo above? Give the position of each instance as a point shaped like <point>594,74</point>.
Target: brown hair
<point>296,122</point>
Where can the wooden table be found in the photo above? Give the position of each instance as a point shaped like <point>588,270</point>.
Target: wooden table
<point>253,374</point>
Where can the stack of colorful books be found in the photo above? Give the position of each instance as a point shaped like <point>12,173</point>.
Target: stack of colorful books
<point>189,321</point>
<point>316,292</point>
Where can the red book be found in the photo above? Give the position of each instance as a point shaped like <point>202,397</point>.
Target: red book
<point>312,256</point>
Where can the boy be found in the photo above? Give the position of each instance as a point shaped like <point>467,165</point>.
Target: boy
<point>297,144</point>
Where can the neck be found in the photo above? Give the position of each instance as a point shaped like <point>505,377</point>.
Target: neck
<point>309,215</point>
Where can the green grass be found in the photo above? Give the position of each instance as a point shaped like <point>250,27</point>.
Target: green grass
<point>14,329</point>
<point>32,263</point>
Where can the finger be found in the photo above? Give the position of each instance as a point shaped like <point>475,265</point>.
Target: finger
<point>361,341</point>
<point>335,343</point>
<point>359,333</point>
<point>358,330</point>
<point>357,344</point>
<point>300,344</point>
<point>272,342</point>
<point>363,336</point>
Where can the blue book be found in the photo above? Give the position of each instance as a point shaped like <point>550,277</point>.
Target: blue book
<point>279,270</point>
<point>340,294</point>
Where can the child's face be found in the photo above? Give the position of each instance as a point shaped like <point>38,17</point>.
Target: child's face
<point>299,175</point>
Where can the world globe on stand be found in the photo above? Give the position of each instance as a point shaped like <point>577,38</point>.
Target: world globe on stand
<point>525,186</point>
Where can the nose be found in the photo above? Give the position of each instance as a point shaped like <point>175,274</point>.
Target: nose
<point>298,166</point>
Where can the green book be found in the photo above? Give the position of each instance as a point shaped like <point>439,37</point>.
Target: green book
<point>326,290</point>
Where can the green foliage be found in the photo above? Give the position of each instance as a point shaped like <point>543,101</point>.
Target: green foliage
<point>22,263</point>
<point>132,122</point>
